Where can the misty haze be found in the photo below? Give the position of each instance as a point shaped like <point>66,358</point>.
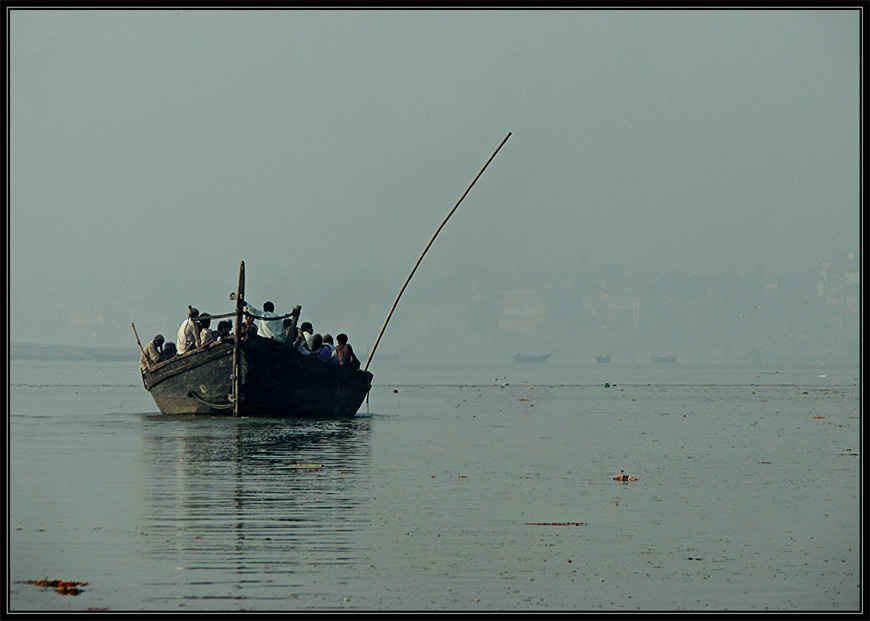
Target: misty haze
<point>626,376</point>
<point>680,183</point>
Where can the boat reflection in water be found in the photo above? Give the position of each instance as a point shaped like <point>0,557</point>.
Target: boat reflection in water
<point>251,500</point>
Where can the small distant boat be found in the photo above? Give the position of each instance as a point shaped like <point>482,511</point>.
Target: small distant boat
<point>602,358</point>
<point>523,358</point>
<point>670,359</point>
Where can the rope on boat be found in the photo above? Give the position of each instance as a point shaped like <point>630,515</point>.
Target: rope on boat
<point>217,406</point>
<point>198,317</point>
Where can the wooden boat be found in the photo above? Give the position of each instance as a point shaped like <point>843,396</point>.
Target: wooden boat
<point>257,376</point>
<point>254,376</point>
<point>522,358</point>
<point>275,380</point>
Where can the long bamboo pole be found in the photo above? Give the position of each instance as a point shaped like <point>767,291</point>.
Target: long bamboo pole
<point>237,343</point>
<point>425,250</point>
<point>147,364</point>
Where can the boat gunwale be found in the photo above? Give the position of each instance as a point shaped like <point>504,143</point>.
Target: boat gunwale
<point>257,345</point>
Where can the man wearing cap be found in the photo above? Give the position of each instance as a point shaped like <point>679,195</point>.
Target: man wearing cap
<point>151,352</point>
<point>188,333</point>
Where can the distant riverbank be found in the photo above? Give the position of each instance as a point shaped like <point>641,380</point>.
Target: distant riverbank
<point>29,351</point>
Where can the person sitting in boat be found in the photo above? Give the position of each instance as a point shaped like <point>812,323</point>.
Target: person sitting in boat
<point>248,327</point>
<point>344,353</point>
<point>328,348</point>
<point>151,352</point>
<point>303,337</point>
<point>206,336</point>
<point>223,331</point>
<point>169,352</point>
<point>269,323</point>
<point>188,333</point>
<point>318,349</point>
<point>308,335</point>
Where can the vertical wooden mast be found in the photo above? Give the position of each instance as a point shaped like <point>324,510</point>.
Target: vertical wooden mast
<point>237,344</point>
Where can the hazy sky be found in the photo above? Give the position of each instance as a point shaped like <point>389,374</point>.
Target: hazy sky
<point>150,151</point>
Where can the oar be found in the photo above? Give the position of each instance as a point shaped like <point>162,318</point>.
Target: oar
<point>140,347</point>
<point>402,290</point>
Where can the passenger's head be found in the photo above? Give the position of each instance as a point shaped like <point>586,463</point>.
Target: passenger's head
<point>316,341</point>
<point>158,340</point>
<point>224,327</point>
<point>169,350</point>
<point>205,322</point>
<point>327,338</point>
<point>306,327</point>
<point>342,339</point>
<point>268,307</point>
<point>192,312</point>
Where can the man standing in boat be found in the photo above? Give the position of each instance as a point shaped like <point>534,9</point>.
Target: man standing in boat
<point>270,323</point>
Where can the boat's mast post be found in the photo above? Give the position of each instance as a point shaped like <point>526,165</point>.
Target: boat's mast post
<point>237,345</point>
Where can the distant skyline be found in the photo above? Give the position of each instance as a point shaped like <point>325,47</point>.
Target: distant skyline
<point>150,151</point>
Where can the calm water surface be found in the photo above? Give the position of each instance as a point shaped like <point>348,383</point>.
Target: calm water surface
<point>455,488</point>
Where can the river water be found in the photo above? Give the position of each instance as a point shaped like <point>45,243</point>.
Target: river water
<point>456,488</point>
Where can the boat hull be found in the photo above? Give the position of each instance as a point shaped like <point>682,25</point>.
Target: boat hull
<point>275,381</point>
<point>522,358</point>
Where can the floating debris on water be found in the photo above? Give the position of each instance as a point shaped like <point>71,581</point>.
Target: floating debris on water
<point>64,587</point>
<point>557,524</point>
<point>624,477</point>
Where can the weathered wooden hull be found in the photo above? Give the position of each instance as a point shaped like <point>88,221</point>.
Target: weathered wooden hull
<point>275,381</point>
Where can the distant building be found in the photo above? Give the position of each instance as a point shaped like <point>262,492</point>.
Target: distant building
<point>521,310</point>
<point>619,309</point>
<point>840,283</point>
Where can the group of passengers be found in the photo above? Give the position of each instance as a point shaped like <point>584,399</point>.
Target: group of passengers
<point>196,333</point>
<point>300,336</point>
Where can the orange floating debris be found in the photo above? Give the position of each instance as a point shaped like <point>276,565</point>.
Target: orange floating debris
<point>624,477</point>
<point>64,587</point>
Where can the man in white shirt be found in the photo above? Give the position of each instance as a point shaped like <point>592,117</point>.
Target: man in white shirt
<point>188,333</point>
<point>272,326</point>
